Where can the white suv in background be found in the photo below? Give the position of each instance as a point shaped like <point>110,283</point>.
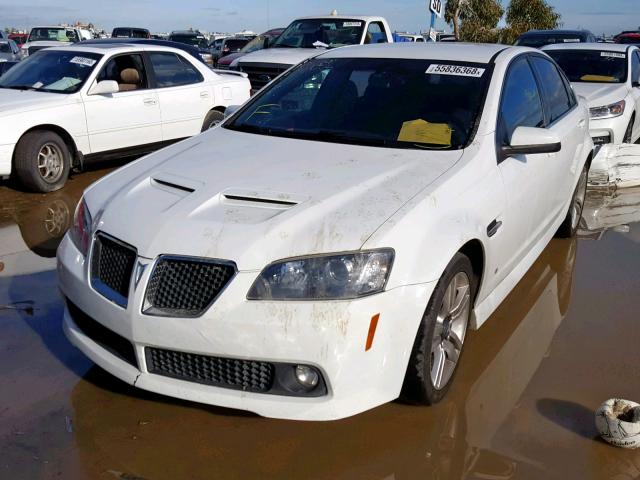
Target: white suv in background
<point>64,106</point>
<point>608,76</point>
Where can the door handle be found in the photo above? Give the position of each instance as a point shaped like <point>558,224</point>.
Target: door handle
<point>204,94</point>
<point>493,228</point>
<point>150,101</point>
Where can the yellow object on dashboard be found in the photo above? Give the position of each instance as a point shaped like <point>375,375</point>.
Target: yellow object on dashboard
<point>421,131</point>
<point>597,78</point>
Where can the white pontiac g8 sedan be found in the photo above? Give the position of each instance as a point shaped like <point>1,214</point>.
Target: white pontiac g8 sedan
<point>67,105</point>
<point>326,249</point>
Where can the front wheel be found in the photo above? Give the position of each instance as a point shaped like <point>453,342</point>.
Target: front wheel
<point>569,227</point>
<point>213,119</point>
<point>42,161</point>
<point>441,335</point>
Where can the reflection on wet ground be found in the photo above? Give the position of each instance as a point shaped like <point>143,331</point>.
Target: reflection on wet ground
<point>521,406</point>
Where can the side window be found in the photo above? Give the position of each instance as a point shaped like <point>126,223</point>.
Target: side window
<point>127,70</point>
<point>171,70</point>
<point>376,33</point>
<point>555,94</point>
<point>521,105</point>
<point>635,67</point>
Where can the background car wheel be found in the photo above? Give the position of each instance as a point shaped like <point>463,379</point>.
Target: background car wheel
<point>569,227</point>
<point>43,225</point>
<point>629,133</point>
<point>42,161</point>
<point>213,118</point>
<point>441,335</point>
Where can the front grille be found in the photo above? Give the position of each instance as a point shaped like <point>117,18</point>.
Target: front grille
<point>111,268</point>
<point>107,339</point>
<point>33,50</point>
<point>260,76</point>
<point>248,375</point>
<point>184,286</point>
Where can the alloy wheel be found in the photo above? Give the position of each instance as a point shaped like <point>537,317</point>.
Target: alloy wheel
<point>50,163</point>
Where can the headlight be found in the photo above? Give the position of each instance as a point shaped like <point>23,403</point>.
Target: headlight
<point>608,111</point>
<point>81,231</point>
<point>332,277</point>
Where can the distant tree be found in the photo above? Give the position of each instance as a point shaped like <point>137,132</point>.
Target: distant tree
<point>474,20</point>
<point>525,15</point>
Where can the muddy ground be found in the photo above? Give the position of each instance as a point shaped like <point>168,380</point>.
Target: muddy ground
<point>522,404</point>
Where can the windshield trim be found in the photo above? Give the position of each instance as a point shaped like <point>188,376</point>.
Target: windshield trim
<point>229,123</point>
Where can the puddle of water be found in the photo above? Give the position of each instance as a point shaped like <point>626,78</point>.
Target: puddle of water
<point>521,406</point>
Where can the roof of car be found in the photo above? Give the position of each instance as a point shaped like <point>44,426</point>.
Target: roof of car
<point>102,47</point>
<point>609,47</point>
<point>555,32</point>
<point>364,18</point>
<point>55,26</point>
<point>186,32</point>
<point>464,52</point>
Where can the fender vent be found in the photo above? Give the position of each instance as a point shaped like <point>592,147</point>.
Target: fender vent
<point>268,201</point>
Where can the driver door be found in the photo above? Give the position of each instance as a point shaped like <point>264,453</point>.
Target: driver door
<point>128,118</point>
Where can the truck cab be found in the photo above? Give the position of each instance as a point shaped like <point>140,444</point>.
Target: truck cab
<point>307,36</point>
<point>45,37</point>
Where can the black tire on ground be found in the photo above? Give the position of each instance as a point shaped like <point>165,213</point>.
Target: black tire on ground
<point>569,226</point>
<point>41,146</point>
<point>213,118</point>
<point>629,132</point>
<point>418,387</point>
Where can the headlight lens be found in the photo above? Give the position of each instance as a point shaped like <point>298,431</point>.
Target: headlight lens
<point>81,231</point>
<point>333,277</point>
<point>608,111</point>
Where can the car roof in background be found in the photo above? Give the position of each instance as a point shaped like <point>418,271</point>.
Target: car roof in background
<point>101,48</point>
<point>463,52</point>
<point>364,18</point>
<point>609,47</point>
<point>555,32</point>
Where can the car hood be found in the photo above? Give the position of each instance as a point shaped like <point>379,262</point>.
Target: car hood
<point>280,56</point>
<point>18,101</point>
<point>599,94</point>
<point>228,59</point>
<point>253,199</point>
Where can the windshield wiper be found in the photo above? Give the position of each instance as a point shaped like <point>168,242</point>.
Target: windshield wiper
<point>20,87</point>
<point>284,45</point>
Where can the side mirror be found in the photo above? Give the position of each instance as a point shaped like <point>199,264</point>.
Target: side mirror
<point>104,87</point>
<point>231,109</point>
<point>531,141</point>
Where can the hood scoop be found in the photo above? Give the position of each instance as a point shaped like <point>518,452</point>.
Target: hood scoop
<point>264,199</point>
<point>175,184</point>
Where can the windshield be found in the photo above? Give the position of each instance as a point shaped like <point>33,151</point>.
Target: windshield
<point>539,41</point>
<point>592,66</point>
<point>635,40</point>
<point>321,33</point>
<point>51,71</point>
<point>396,103</point>
<point>53,34</point>
<point>194,40</point>
<point>254,45</point>
<point>235,45</point>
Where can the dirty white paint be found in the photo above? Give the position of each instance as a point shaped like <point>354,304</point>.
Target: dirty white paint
<point>616,165</point>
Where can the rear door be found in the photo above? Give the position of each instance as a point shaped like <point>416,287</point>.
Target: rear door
<point>565,119</point>
<point>185,98</point>
<point>523,175</point>
<point>128,118</point>
<point>635,90</point>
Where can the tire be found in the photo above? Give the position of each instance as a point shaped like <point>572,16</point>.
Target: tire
<point>213,118</point>
<point>569,226</point>
<point>42,161</point>
<point>422,383</point>
<point>628,134</point>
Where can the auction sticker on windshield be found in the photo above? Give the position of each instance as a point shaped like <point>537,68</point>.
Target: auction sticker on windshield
<point>613,54</point>
<point>457,70</point>
<point>352,24</point>
<point>87,62</point>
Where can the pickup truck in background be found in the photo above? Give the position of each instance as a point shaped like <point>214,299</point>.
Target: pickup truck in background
<point>45,37</point>
<point>307,36</point>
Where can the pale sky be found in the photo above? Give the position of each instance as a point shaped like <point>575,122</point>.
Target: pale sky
<point>608,17</point>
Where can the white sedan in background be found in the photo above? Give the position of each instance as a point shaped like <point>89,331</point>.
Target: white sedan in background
<point>608,76</point>
<point>327,248</point>
<point>64,106</point>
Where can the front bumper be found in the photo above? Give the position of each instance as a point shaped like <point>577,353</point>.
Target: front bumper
<point>330,336</point>
<point>6,156</point>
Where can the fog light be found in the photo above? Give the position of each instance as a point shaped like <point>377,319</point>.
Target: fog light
<point>307,376</point>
